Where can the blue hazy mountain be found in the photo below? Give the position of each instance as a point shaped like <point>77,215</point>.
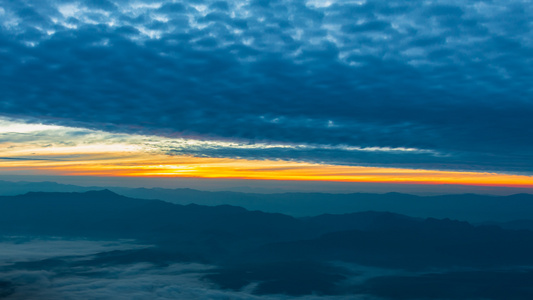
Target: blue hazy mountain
<point>278,253</point>
<point>11,188</point>
<point>469,207</point>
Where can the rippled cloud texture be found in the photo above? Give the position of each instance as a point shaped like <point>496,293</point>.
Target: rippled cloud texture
<point>428,84</point>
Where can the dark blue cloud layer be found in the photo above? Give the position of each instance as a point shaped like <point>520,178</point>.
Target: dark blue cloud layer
<point>453,78</point>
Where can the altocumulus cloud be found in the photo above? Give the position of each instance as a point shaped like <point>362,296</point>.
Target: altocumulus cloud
<point>450,79</point>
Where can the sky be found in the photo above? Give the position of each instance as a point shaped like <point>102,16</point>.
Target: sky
<point>393,92</point>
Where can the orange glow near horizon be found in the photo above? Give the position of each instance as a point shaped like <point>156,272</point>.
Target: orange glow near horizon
<point>34,149</point>
<point>135,164</point>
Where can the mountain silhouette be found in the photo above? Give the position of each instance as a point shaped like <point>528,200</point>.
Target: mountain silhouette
<point>234,233</point>
<point>281,253</point>
<point>469,207</point>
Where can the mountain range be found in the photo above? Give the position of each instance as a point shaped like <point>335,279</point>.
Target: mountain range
<point>469,207</point>
<point>284,254</point>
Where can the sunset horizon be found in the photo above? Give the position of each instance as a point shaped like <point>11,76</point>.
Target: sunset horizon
<point>266,149</point>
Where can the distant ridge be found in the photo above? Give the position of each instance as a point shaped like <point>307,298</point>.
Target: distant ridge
<point>470,207</point>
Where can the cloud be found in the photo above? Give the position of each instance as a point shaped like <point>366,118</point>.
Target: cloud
<point>27,248</point>
<point>452,78</point>
<point>139,281</point>
<point>67,269</point>
<point>68,278</point>
<point>71,146</point>
<point>24,158</point>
